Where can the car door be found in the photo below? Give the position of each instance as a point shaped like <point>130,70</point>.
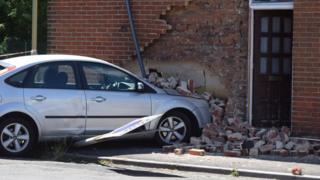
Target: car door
<point>53,93</point>
<point>112,99</point>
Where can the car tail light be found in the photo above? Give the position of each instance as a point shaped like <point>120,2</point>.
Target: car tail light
<point>7,69</point>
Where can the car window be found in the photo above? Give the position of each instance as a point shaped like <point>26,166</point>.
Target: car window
<point>103,77</point>
<point>2,68</point>
<point>54,76</point>
<point>17,80</point>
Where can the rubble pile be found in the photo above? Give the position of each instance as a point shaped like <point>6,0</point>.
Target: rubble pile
<point>232,136</point>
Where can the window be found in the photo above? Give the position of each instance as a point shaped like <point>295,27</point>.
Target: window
<point>54,76</point>
<point>2,68</point>
<point>102,77</point>
<point>17,80</point>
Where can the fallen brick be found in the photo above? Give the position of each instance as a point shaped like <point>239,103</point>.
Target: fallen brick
<point>178,151</point>
<point>259,144</point>
<point>279,145</point>
<point>290,145</point>
<point>296,170</point>
<point>168,149</point>
<point>266,148</point>
<point>235,137</point>
<point>197,152</point>
<point>232,153</point>
<point>206,140</point>
<point>284,152</point>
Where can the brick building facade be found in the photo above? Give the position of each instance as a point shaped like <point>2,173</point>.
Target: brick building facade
<point>239,49</point>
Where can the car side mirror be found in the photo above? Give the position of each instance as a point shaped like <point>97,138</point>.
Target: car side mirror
<point>140,87</point>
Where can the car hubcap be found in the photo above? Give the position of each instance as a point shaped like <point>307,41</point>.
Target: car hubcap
<point>15,137</point>
<point>172,130</point>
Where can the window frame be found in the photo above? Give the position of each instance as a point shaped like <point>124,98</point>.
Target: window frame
<point>271,5</point>
<point>29,84</point>
<point>85,84</point>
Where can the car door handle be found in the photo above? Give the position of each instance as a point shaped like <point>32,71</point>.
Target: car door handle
<point>38,98</point>
<point>99,99</point>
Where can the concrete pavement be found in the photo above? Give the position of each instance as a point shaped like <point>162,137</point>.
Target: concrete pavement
<point>144,153</point>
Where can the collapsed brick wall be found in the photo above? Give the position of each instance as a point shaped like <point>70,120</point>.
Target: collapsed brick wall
<point>213,33</point>
<point>100,28</point>
<point>306,68</point>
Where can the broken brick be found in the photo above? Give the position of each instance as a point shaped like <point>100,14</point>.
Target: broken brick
<point>168,149</point>
<point>254,152</point>
<point>259,144</point>
<point>178,151</point>
<point>290,145</point>
<point>232,153</point>
<point>284,152</point>
<point>279,145</point>
<point>266,148</point>
<point>197,152</point>
<point>235,137</point>
<point>195,141</point>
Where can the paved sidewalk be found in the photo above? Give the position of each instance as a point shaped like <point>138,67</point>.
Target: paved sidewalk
<point>152,156</point>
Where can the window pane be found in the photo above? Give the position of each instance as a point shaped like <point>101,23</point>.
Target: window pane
<point>275,45</point>
<point>264,24</point>
<point>287,45</point>
<point>18,79</point>
<point>55,76</point>
<point>263,65</point>
<point>275,65</point>
<point>264,45</point>
<point>100,77</point>
<point>287,25</point>
<point>276,24</point>
<point>287,66</point>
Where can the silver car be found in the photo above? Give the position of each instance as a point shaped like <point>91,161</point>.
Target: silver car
<point>45,97</point>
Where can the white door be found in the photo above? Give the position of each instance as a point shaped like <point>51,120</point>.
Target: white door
<point>112,99</point>
<point>53,92</point>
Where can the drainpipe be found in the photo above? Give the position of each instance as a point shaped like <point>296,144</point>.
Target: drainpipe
<point>34,26</point>
<point>135,39</point>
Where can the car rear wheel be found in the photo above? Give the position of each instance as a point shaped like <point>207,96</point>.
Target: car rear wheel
<point>17,136</point>
<point>174,128</point>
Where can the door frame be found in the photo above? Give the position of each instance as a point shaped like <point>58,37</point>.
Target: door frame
<point>254,7</point>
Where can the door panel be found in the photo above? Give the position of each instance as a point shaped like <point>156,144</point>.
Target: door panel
<point>112,100</point>
<point>63,111</point>
<point>117,109</point>
<point>52,91</point>
<point>272,68</point>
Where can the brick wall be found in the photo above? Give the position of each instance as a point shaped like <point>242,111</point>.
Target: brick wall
<point>306,68</point>
<point>99,28</point>
<point>212,37</point>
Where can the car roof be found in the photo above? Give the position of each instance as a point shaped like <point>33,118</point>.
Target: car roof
<point>35,59</point>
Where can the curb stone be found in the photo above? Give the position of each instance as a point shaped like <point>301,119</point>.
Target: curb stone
<point>192,168</point>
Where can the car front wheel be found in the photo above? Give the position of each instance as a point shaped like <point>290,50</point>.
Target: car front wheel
<point>174,128</point>
<point>17,136</point>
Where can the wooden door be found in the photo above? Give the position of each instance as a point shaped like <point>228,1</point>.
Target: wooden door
<point>272,68</point>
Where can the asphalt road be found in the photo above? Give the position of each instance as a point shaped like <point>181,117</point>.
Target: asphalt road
<point>11,169</point>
